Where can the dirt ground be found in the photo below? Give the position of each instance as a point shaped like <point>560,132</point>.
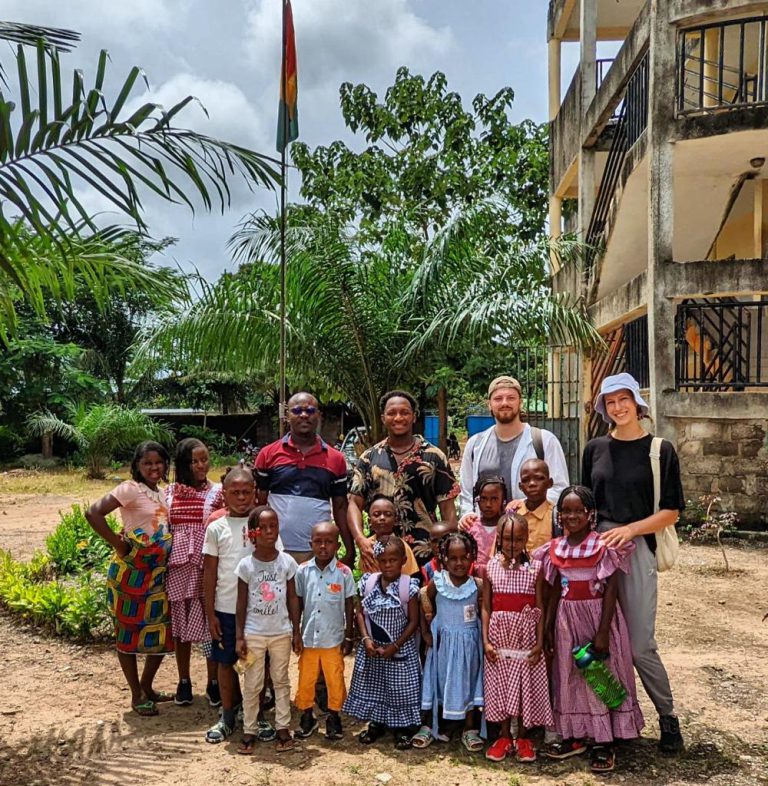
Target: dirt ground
<point>65,719</point>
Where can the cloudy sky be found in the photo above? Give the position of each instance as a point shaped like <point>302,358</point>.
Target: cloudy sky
<point>226,54</point>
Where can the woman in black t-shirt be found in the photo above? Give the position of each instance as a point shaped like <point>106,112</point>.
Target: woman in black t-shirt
<point>617,468</point>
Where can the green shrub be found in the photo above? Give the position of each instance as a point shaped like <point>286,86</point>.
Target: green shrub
<point>220,444</point>
<point>73,547</point>
<point>76,608</point>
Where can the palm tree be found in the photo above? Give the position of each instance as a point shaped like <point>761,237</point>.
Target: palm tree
<point>362,319</point>
<point>345,328</point>
<point>53,146</point>
<point>100,432</point>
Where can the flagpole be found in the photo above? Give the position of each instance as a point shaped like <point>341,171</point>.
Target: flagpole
<point>283,189</point>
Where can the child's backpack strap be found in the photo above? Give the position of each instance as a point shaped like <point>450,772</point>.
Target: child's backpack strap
<point>403,588</point>
<point>370,583</point>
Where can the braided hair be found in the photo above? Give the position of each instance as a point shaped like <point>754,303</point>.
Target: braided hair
<point>509,520</point>
<point>489,479</point>
<point>457,536</point>
<point>587,498</point>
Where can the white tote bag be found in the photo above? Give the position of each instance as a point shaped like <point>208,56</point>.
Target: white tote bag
<point>667,544</point>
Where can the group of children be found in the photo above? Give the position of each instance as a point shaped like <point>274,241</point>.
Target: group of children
<point>482,634</point>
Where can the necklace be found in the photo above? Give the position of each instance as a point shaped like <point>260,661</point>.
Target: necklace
<point>403,452</point>
<point>156,495</point>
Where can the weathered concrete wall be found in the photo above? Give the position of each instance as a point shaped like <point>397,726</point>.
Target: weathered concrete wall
<point>564,134</point>
<point>693,11</point>
<point>728,458</point>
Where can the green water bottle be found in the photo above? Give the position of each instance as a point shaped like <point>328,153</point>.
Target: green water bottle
<point>606,687</point>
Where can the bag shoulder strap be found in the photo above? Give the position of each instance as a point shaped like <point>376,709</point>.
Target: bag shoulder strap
<point>655,456</point>
<point>538,442</point>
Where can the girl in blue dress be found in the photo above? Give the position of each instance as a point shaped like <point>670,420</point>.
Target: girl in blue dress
<point>386,680</point>
<point>453,671</point>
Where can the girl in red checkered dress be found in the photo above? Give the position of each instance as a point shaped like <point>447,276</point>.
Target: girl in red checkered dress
<point>515,673</point>
<point>585,574</point>
<point>190,499</point>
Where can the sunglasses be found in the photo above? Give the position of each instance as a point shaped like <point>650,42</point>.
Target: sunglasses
<point>301,410</point>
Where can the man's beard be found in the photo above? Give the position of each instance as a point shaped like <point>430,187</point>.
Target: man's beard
<point>507,416</point>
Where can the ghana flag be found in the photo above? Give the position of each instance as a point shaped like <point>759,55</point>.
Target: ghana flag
<point>288,115</point>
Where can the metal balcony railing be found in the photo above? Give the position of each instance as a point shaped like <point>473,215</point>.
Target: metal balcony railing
<point>723,65</point>
<point>721,344</point>
<point>631,121</point>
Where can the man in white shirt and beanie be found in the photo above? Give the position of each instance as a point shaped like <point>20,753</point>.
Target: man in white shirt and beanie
<point>503,448</point>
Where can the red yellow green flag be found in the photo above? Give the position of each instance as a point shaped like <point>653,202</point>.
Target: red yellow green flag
<point>288,115</point>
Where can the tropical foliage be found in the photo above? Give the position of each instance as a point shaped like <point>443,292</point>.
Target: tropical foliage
<point>61,589</point>
<point>364,317</point>
<point>100,432</point>
<point>60,138</point>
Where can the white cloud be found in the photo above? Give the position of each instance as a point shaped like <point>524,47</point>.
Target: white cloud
<point>231,115</point>
<point>338,37</point>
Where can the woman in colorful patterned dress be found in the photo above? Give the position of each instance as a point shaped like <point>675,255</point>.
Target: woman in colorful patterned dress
<point>136,579</point>
<point>191,499</point>
<point>586,571</point>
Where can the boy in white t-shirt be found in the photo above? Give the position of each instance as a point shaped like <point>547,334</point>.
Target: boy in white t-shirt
<point>226,543</point>
<point>268,620</point>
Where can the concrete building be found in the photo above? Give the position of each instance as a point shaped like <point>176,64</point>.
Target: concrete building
<point>659,159</point>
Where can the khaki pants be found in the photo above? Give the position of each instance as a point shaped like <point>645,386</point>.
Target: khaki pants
<point>331,661</point>
<point>279,649</point>
<point>638,596</point>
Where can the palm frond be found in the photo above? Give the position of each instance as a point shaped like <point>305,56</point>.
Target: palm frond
<point>29,35</point>
<point>54,149</point>
<point>34,267</point>
<point>46,422</point>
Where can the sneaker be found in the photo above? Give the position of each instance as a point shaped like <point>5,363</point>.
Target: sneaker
<point>212,694</point>
<point>218,732</point>
<point>671,739</point>
<point>525,750</point>
<point>307,725</point>
<point>183,693</point>
<point>333,729</point>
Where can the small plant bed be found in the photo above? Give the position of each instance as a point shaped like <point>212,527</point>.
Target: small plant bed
<point>62,589</point>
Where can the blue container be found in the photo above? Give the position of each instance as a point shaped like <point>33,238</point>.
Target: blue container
<point>431,428</point>
<point>478,423</point>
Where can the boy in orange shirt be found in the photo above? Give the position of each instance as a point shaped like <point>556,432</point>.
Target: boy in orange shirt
<point>535,481</point>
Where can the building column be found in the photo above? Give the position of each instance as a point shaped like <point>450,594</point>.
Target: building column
<point>760,212</point>
<point>555,77</point>
<point>588,71</point>
<point>661,305</point>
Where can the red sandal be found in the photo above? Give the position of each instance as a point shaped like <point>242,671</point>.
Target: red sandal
<point>500,749</point>
<point>525,750</point>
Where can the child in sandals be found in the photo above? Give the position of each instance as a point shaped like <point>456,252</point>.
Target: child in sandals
<point>385,687</point>
<point>267,620</point>
<point>453,672</point>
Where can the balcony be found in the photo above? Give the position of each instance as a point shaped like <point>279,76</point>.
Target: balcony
<point>722,66</point>
<point>721,345</point>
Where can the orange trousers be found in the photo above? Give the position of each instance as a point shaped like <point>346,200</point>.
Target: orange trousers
<point>311,661</point>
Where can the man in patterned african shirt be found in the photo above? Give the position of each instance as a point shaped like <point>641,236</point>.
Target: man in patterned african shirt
<point>411,472</point>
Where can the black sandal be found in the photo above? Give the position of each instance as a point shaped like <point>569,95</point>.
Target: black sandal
<point>602,759</point>
<point>403,740</point>
<point>369,735</point>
